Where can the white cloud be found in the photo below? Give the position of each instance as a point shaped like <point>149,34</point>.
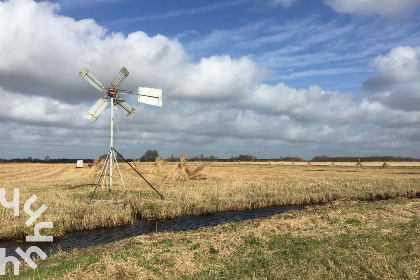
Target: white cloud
<point>401,64</point>
<point>219,78</point>
<point>397,81</point>
<point>371,7</point>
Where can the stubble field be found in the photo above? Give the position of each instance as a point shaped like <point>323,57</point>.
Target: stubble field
<point>217,187</point>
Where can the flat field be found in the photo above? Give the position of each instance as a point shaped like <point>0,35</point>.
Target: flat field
<point>218,187</point>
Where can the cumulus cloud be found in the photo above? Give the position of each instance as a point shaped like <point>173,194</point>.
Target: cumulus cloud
<point>371,7</point>
<point>397,81</point>
<point>401,64</point>
<point>218,104</point>
<point>219,78</point>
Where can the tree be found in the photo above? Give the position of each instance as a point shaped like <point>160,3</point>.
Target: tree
<point>150,155</point>
<point>172,158</point>
<point>247,158</point>
<point>213,158</point>
<point>292,159</point>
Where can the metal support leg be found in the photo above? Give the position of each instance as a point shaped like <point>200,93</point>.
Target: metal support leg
<point>122,180</point>
<point>100,176</point>
<point>106,169</point>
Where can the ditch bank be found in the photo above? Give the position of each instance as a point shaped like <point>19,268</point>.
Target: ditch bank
<point>103,236</point>
<point>98,237</point>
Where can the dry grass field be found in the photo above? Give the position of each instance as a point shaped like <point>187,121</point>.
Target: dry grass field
<point>216,187</point>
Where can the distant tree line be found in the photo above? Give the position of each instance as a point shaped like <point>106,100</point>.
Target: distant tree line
<point>151,155</point>
<point>297,159</point>
<point>325,158</point>
<point>244,158</point>
<point>201,157</point>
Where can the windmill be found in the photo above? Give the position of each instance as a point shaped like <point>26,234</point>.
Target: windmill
<point>150,96</point>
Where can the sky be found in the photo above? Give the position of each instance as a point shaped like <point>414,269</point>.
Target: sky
<point>268,78</point>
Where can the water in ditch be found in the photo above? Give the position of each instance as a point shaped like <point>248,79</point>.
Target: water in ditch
<point>84,239</point>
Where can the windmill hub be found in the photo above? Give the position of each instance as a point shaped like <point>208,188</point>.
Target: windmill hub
<point>112,92</point>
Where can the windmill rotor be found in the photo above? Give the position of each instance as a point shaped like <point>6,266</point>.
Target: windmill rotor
<point>150,96</point>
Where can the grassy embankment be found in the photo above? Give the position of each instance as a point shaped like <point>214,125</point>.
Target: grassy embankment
<point>227,186</point>
<point>343,240</point>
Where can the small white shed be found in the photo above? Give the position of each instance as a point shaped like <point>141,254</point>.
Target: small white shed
<point>79,163</point>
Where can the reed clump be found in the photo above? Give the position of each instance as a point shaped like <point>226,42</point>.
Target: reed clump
<point>359,164</point>
<point>158,166</point>
<point>385,165</point>
<point>184,172</point>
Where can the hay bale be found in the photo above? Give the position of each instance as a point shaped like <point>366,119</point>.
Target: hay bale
<point>194,174</point>
<point>179,173</point>
<point>386,165</point>
<point>158,165</point>
<point>182,172</point>
<point>359,164</point>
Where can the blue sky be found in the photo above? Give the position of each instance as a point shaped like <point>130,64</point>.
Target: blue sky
<point>269,78</point>
<point>305,43</point>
